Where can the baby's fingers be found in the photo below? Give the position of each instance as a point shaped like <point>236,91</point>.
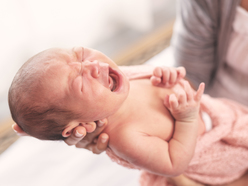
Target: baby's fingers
<point>158,72</point>
<point>199,92</point>
<point>175,74</point>
<point>155,80</point>
<point>172,76</point>
<point>173,102</point>
<point>181,72</point>
<point>188,90</point>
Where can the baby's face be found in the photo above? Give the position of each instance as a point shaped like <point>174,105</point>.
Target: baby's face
<point>89,82</point>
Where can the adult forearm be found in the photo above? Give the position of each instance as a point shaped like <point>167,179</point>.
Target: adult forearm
<point>194,40</point>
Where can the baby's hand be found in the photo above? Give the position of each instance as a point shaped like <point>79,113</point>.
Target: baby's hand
<point>185,106</point>
<point>167,76</point>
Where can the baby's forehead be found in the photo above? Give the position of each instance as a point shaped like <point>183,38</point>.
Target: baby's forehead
<point>53,55</point>
<point>63,55</point>
<point>55,59</point>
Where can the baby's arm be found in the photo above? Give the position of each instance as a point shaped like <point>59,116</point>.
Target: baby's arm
<point>185,110</point>
<point>154,154</point>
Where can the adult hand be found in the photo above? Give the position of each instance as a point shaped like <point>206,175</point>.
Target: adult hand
<point>95,141</point>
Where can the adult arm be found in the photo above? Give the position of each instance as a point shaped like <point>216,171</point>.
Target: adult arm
<point>194,39</point>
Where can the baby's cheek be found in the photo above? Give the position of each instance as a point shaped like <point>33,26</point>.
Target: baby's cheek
<point>77,85</point>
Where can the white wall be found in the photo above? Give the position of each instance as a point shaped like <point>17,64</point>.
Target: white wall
<point>30,26</point>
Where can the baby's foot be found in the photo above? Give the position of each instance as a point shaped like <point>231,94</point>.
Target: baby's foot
<point>185,106</point>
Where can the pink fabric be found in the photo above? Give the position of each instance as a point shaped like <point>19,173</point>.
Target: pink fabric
<point>221,155</point>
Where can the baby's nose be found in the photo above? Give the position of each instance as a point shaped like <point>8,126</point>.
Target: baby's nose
<point>93,68</point>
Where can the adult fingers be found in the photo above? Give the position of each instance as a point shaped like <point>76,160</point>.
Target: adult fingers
<point>88,140</point>
<point>101,124</point>
<point>100,146</point>
<point>89,126</point>
<point>78,134</point>
<point>102,142</point>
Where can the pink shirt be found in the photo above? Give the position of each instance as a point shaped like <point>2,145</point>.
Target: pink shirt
<point>237,54</point>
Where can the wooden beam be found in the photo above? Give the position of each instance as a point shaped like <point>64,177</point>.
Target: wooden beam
<point>7,135</point>
<point>153,44</point>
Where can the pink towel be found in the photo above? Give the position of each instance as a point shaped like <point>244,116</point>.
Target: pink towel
<point>221,155</point>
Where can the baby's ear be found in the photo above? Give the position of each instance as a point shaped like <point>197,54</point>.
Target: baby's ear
<point>69,128</point>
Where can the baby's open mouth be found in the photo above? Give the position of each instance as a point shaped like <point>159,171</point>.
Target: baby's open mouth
<point>113,80</point>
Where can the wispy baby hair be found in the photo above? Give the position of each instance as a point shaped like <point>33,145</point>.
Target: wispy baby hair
<point>32,106</point>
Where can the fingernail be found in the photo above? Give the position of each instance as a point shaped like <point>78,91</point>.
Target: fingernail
<point>100,123</point>
<point>77,134</point>
<point>104,139</point>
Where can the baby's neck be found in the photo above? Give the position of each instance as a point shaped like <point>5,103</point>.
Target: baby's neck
<point>141,91</point>
<point>134,107</point>
<point>123,113</point>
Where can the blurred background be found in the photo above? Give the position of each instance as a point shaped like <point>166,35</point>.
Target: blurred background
<point>128,31</point>
<point>30,26</point>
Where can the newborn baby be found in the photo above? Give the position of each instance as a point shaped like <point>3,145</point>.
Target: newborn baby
<point>153,127</point>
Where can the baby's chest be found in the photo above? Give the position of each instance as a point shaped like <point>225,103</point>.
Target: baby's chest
<point>154,122</point>
<point>151,116</point>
